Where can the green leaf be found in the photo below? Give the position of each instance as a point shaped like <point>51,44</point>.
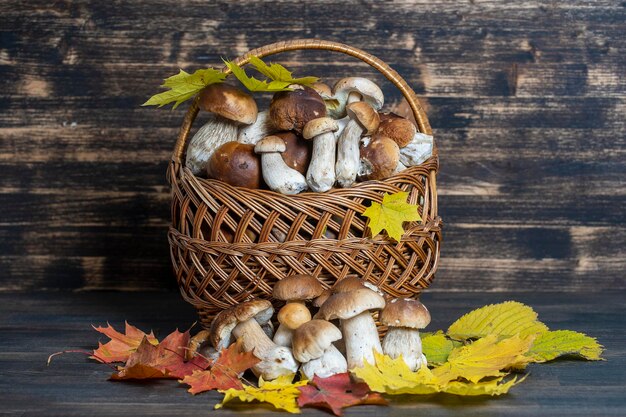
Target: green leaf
<point>184,86</point>
<point>551,345</point>
<point>253,84</point>
<point>391,214</point>
<point>436,347</point>
<point>277,72</point>
<point>504,319</point>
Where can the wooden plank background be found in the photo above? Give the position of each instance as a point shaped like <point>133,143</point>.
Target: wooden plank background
<point>527,100</point>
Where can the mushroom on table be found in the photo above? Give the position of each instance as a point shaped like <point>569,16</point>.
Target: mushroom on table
<point>313,347</point>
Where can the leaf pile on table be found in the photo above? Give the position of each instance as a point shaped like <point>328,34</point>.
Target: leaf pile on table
<point>485,352</point>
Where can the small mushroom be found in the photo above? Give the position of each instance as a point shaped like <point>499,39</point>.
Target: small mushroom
<point>358,326</point>
<point>321,173</point>
<point>405,317</point>
<point>418,150</point>
<point>247,317</point>
<point>261,128</point>
<point>313,347</point>
<point>352,89</point>
<point>236,164</point>
<point>277,175</point>
<point>298,152</point>
<point>379,158</point>
<point>292,110</point>
<point>230,107</point>
<point>295,290</point>
<point>397,128</point>
<point>363,121</point>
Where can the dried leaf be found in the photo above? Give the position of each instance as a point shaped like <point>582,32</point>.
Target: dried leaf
<point>224,372</point>
<point>184,86</point>
<point>391,214</point>
<point>281,393</point>
<point>337,392</point>
<point>504,319</point>
<point>551,345</point>
<point>436,347</point>
<point>119,348</point>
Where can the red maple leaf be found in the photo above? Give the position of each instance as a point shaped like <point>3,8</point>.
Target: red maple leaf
<point>337,392</point>
<point>224,372</point>
<point>165,360</point>
<point>119,348</point>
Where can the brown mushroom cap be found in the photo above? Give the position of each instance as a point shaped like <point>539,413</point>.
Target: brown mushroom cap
<point>398,128</point>
<point>319,126</point>
<point>299,287</point>
<point>365,115</point>
<point>346,305</point>
<point>293,315</point>
<point>311,339</point>
<point>291,110</point>
<point>229,102</point>
<point>405,312</point>
<point>270,144</point>
<point>226,320</point>
<point>380,156</point>
<point>322,89</point>
<point>298,151</point>
<point>236,164</point>
<point>322,297</point>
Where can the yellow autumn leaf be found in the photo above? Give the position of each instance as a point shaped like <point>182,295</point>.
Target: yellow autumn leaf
<point>277,72</point>
<point>495,386</point>
<point>486,357</point>
<point>391,214</point>
<point>280,392</point>
<point>436,347</point>
<point>183,86</point>
<point>503,319</point>
<point>252,84</point>
<point>551,345</point>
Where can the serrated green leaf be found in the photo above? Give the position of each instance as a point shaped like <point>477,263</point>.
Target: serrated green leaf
<point>504,319</point>
<point>391,214</point>
<point>436,347</point>
<point>184,86</point>
<point>252,84</point>
<point>277,72</point>
<point>551,345</point>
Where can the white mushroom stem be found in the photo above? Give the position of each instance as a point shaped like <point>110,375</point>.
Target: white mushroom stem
<point>321,173</point>
<point>399,168</point>
<point>213,134</point>
<point>330,363</point>
<point>361,338</point>
<point>406,342</point>
<point>348,156</point>
<point>417,151</point>
<point>275,360</point>
<point>283,336</point>
<point>279,176</point>
<point>258,130</point>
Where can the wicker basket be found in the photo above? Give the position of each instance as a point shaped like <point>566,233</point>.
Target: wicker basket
<point>231,244</point>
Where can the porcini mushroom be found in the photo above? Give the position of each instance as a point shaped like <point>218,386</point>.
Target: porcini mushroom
<point>358,328</point>
<point>230,107</point>
<point>364,120</point>
<point>236,164</point>
<point>405,317</point>
<point>277,175</point>
<point>261,128</point>
<point>295,290</point>
<point>247,317</point>
<point>352,89</point>
<point>292,110</point>
<point>418,150</point>
<point>397,128</point>
<point>379,158</point>
<point>313,347</point>
<point>321,173</point>
<point>298,152</point>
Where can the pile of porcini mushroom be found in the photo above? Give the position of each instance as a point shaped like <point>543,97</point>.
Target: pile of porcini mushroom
<point>341,335</point>
<point>310,138</point>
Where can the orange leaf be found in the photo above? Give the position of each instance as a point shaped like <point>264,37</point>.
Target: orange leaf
<point>121,345</point>
<point>337,392</point>
<point>224,373</point>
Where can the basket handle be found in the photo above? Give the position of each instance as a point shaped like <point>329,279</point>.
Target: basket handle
<point>278,47</point>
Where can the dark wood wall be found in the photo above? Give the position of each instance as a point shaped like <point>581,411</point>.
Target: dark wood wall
<point>527,100</point>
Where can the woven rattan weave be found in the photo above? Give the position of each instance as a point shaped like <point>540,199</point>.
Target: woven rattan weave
<point>230,244</point>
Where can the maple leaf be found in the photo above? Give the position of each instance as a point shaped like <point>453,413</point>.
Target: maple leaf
<point>390,214</point>
<point>277,72</point>
<point>223,374</point>
<point>281,393</point>
<point>253,84</point>
<point>436,347</point>
<point>551,345</point>
<point>121,345</point>
<point>337,392</point>
<point>503,319</point>
<point>183,86</point>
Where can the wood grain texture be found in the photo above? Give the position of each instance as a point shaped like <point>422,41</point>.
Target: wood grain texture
<point>37,324</point>
<point>527,100</point>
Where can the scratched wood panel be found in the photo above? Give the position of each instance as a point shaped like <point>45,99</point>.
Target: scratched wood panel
<point>527,100</point>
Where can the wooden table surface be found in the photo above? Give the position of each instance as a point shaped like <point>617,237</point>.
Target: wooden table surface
<point>34,325</point>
